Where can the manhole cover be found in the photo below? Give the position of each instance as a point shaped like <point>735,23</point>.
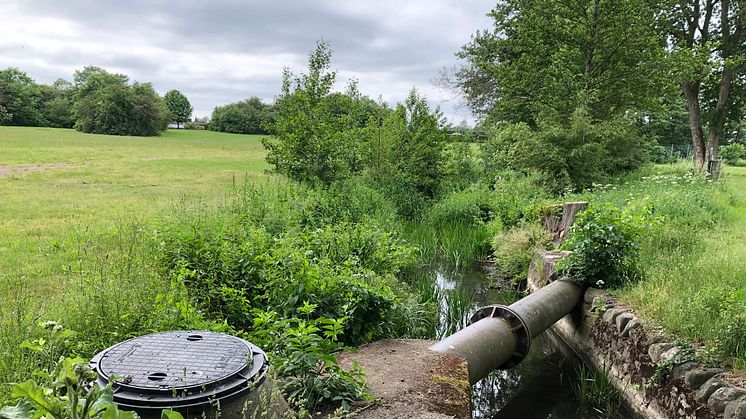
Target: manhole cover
<point>180,369</point>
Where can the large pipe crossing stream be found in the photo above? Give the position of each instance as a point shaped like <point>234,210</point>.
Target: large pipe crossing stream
<point>499,336</point>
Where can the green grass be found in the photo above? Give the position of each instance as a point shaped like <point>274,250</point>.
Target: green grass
<point>693,264</point>
<point>107,180</point>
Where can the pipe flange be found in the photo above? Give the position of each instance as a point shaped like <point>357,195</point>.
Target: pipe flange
<point>517,326</point>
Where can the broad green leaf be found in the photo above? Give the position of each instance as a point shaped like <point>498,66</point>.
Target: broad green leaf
<point>22,410</point>
<point>34,346</point>
<point>170,414</point>
<point>113,412</point>
<point>35,395</point>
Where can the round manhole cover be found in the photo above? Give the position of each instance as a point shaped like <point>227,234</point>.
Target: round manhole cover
<point>180,369</point>
<point>175,359</point>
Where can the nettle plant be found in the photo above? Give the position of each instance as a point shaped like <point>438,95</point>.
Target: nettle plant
<point>67,390</point>
<point>605,241</point>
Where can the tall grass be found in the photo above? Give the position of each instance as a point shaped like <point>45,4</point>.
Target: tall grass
<point>694,272</point>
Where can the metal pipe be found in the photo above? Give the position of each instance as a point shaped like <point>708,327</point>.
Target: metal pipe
<point>499,336</point>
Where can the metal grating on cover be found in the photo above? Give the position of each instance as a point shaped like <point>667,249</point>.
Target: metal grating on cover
<point>175,359</point>
<point>188,371</point>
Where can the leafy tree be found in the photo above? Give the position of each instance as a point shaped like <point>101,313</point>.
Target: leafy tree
<point>19,99</point>
<point>548,56</point>
<point>250,116</point>
<point>405,153</point>
<point>707,48</point>
<point>57,104</point>
<point>178,105</point>
<point>106,104</point>
<point>315,131</point>
<point>575,152</point>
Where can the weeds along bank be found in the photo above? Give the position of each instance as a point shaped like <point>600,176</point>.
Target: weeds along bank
<point>300,273</point>
<point>687,272</point>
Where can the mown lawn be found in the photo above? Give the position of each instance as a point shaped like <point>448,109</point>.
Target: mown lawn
<point>58,186</point>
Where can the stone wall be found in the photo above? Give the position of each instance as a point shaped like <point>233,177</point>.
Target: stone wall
<point>658,378</point>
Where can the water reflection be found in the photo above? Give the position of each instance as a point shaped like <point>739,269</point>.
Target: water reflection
<point>540,387</point>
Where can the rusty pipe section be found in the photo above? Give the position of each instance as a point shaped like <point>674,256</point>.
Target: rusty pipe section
<point>499,336</point>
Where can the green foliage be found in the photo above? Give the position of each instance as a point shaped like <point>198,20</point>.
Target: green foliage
<point>573,153</point>
<point>461,165</point>
<point>732,153</point>
<point>317,133</point>
<point>406,149</point>
<point>250,116</point>
<point>106,104</point>
<point>597,394</point>
<point>514,248</point>
<point>549,56</point>
<point>605,243</point>
<point>178,106</point>
<point>270,251</point>
<point>302,350</point>
<point>19,99</point>
<point>65,391</point>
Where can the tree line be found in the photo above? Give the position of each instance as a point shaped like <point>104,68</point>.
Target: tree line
<point>101,102</point>
<point>661,69</point>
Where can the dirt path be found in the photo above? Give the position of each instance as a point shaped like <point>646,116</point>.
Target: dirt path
<point>409,381</point>
<point>28,168</point>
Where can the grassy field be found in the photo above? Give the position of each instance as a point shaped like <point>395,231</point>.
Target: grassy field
<point>56,184</point>
<point>699,292</point>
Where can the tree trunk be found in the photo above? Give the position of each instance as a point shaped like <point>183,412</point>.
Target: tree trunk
<point>718,119</point>
<point>691,93</point>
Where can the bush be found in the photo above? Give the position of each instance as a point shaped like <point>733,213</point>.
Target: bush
<point>249,116</point>
<point>514,249</point>
<point>732,153</point>
<point>233,264</point>
<point>119,109</point>
<point>575,153</point>
<point>604,243</point>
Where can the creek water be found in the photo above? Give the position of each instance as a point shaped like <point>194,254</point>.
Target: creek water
<point>544,385</point>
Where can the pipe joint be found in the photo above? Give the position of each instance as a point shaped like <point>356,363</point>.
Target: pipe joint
<point>517,326</point>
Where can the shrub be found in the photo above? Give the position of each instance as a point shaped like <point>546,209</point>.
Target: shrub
<point>471,207</point>
<point>514,248</point>
<point>604,243</point>
<point>517,197</point>
<point>574,152</point>
<point>732,153</point>
<point>250,116</point>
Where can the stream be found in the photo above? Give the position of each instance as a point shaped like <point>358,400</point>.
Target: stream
<point>544,385</point>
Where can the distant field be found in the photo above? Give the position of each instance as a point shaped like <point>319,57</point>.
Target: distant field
<point>56,183</point>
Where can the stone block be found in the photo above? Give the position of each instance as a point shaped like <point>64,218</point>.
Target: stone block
<point>592,294</point>
<point>724,395</point>
<point>680,370</point>
<point>622,320</point>
<point>735,410</point>
<point>629,327</point>
<point>669,354</point>
<point>655,350</point>
<point>695,378</point>
<point>610,315</point>
<point>710,386</point>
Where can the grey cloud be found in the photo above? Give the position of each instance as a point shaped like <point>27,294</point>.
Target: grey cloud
<point>123,35</point>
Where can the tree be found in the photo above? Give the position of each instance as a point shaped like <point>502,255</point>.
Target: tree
<point>314,133</point>
<point>106,104</point>
<point>20,99</point>
<point>250,116</point>
<point>405,153</point>
<point>707,49</point>
<point>57,104</point>
<point>549,56</point>
<point>178,105</point>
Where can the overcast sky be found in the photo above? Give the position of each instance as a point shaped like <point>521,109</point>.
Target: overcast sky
<point>217,52</point>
